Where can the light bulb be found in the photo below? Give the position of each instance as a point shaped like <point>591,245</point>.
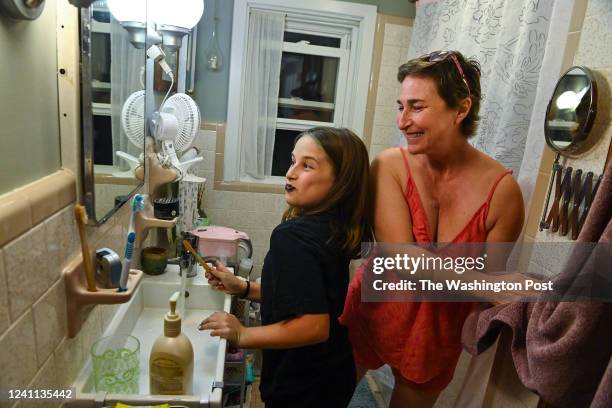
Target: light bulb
<point>128,10</point>
<point>178,13</point>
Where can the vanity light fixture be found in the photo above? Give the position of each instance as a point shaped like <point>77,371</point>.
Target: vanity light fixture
<point>175,19</point>
<point>22,9</point>
<point>132,15</point>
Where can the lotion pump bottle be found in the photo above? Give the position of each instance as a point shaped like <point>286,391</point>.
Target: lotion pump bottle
<point>171,360</point>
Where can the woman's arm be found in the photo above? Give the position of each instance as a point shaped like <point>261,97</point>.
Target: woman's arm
<point>392,221</point>
<point>295,332</point>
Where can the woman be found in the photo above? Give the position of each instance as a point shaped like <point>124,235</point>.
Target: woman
<point>307,359</point>
<point>437,189</point>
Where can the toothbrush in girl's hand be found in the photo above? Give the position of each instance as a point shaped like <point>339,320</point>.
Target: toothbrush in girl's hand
<point>137,206</point>
<point>125,264</point>
<point>198,258</point>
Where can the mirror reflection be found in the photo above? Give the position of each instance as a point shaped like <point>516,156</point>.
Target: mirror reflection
<point>571,111</point>
<point>117,100</point>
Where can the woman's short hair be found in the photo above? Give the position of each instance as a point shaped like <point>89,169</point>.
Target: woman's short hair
<point>449,82</point>
<point>349,198</point>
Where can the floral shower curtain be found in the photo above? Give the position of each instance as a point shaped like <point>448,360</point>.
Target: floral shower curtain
<point>519,58</point>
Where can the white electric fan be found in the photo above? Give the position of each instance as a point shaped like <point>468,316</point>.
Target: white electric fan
<point>176,126</point>
<point>132,122</point>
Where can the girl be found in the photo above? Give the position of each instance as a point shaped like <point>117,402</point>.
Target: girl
<point>307,358</point>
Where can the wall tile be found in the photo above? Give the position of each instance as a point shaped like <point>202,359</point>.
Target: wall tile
<point>5,318</point>
<point>387,95</point>
<point>18,353</point>
<point>604,97</point>
<point>90,331</point>
<point>384,116</point>
<point>69,356</point>
<point>391,55</point>
<point>594,50</point>
<point>537,204</point>
<point>15,216</point>
<point>43,199</point>
<point>45,379</point>
<point>27,270</point>
<point>50,320</point>
<point>398,35</point>
<point>384,135</point>
<point>62,239</point>
<point>388,77</point>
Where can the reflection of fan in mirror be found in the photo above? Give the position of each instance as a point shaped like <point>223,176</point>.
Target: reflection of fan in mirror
<point>176,125</point>
<point>132,122</point>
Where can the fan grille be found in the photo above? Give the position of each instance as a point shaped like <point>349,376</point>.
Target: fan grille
<point>132,118</point>
<point>188,116</point>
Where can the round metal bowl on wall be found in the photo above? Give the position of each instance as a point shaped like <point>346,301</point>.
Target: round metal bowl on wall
<point>22,9</point>
<point>571,112</point>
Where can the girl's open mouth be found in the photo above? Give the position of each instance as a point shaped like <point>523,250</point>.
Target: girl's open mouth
<point>289,188</point>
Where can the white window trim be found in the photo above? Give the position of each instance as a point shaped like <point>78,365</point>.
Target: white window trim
<point>359,66</point>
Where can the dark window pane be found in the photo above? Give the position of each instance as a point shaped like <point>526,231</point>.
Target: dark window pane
<point>283,146</point>
<point>310,78</point>
<point>312,39</point>
<point>100,57</point>
<point>102,140</point>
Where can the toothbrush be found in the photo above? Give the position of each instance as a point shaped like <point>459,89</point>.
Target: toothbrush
<point>196,256</point>
<point>81,219</point>
<point>125,264</point>
<point>137,206</point>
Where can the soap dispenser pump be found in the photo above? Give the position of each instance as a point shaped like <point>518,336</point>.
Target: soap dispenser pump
<point>171,360</point>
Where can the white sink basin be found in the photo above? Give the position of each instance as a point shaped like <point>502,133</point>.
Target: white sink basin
<point>143,318</point>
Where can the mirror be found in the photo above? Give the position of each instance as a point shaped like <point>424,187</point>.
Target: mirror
<point>112,100</point>
<point>571,112</point>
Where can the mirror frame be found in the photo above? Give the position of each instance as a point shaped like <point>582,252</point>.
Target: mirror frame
<point>578,143</point>
<point>87,145</point>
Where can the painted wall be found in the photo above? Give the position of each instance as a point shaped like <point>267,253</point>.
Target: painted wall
<point>210,90</point>
<point>28,106</point>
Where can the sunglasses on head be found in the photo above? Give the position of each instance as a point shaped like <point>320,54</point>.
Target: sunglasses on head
<point>438,56</point>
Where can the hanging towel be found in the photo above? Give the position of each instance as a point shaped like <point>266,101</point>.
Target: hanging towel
<point>561,350</point>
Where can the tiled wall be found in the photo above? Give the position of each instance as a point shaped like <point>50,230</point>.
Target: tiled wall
<point>588,44</point>
<point>34,350</point>
<point>393,42</point>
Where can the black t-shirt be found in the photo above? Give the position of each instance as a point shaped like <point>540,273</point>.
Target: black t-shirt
<point>305,272</point>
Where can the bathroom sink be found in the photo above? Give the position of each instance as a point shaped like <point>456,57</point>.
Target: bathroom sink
<point>143,318</point>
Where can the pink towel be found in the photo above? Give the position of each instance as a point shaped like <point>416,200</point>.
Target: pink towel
<point>561,350</point>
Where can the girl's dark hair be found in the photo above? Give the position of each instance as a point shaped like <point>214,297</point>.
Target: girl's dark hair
<point>349,197</point>
<point>449,83</point>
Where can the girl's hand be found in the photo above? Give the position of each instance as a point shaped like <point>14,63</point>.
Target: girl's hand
<point>221,278</point>
<point>224,325</point>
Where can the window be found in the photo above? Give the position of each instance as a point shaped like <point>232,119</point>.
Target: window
<point>324,74</point>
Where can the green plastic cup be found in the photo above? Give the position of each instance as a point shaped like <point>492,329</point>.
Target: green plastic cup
<point>116,364</point>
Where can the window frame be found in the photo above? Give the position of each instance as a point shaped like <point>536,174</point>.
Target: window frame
<point>352,23</point>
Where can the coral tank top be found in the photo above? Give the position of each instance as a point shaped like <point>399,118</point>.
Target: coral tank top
<point>420,340</point>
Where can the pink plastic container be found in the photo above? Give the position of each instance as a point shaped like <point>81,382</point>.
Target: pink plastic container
<point>222,242</point>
